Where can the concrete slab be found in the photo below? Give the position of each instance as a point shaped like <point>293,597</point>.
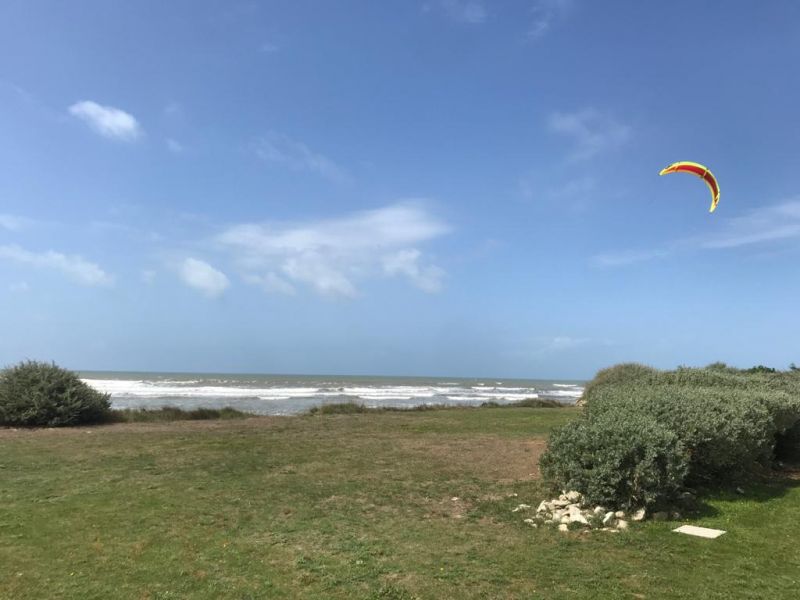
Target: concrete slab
<point>703,532</point>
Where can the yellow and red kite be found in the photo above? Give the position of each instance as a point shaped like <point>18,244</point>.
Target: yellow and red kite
<point>702,172</point>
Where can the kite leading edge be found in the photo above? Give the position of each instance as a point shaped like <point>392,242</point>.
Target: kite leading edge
<point>702,172</point>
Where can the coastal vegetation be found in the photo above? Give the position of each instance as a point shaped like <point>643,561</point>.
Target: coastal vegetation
<point>349,408</point>
<point>645,435</point>
<point>390,505</point>
<point>353,502</point>
<point>42,394</point>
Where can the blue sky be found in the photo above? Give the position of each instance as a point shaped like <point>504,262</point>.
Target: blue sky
<point>443,187</point>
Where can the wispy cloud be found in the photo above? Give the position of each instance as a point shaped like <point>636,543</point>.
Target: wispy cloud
<point>332,255</point>
<point>202,276</point>
<point>19,287</point>
<point>627,257</point>
<point>592,131</point>
<point>75,267</point>
<point>174,146</point>
<point>428,278</point>
<point>544,13</point>
<point>769,224</point>
<point>13,222</point>
<point>281,149</point>
<point>108,121</point>
<point>472,12</point>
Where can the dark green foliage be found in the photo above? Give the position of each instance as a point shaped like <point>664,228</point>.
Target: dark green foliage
<point>171,413</point>
<point>42,394</point>
<point>350,408</point>
<point>338,408</point>
<point>726,419</point>
<point>760,369</point>
<point>526,403</point>
<point>616,462</point>
<point>787,445</point>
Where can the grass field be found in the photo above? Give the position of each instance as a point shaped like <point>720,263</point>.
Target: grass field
<point>376,505</point>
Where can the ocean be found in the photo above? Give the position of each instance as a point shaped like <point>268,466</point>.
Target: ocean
<point>292,394</point>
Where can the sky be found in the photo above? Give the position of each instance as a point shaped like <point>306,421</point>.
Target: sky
<point>433,187</point>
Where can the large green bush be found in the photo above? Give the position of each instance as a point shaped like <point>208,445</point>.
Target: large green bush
<point>42,394</point>
<point>614,462</point>
<point>725,419</point>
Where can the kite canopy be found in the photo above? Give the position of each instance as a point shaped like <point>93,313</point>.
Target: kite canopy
<point>702,172</point>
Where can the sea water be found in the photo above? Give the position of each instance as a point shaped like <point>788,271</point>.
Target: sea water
<point>292,394</point>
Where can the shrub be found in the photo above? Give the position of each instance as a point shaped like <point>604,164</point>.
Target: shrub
<point>726,419</point>
<point>172,413</point>
<point>724,430</point>
<point>622,463</point>
<point>787,446</point>
<point>41,394</point>
<point>338,408</point>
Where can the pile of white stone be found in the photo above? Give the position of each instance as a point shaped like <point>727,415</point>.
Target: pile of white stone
<point>570,508</point>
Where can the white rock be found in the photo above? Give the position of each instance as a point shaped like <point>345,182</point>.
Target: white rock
<point>574,496</point>
<point>574,509</point>
<point>563,527</point>
<point>563,497</point>
<point>560,503</point>
<point>521,507</point>
<point>455,499</point>
<point>620,514</point>
<point>543,507</point>
<point>565,519</point>
<point>599,510</point>
<point>608,518</point>
<point>622,524</point>
<point>578,518</point>
<point>557,514</point>
<point>639,515</point>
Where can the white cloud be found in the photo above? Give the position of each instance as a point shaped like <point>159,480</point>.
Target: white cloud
<point>202,276</point>
<point>271,283</point>
<point>75,267</point>
<point>108,121</point>
<point>472,12</point>
<point>543,14</point>
<point>331,255</point>
<point>592,131</point>
<point>629,257</point>
<point>280,149</point>
<point>769,224</point>
<point>13,223</point>
<point>406,262</point>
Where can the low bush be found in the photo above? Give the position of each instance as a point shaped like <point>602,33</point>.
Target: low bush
<point>45,395</point>
<point>725,419</point>
<point>171,413</point>
<point>613,462</point>
<point>338,408</point>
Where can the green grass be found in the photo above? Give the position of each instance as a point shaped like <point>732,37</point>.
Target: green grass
<point>350,506</point>
<point>171,413</point>
<point>349,408</point>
